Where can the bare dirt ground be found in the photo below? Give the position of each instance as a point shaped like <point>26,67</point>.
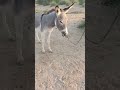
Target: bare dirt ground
<point>64,69</point>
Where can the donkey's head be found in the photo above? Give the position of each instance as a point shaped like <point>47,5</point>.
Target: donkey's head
<point>61,20</point>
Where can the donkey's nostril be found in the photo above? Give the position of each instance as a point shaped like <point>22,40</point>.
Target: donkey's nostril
<point>63,34</point>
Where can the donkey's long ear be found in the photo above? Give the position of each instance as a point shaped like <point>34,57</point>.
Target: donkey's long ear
<point>68,8</point>
<point>57,10</point>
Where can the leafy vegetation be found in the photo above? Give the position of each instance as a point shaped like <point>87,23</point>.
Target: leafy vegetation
<point>81,2</point>
<point>64,2</point>
<point>61,2</point>
<point>53,3</point>
<point>82,24</point>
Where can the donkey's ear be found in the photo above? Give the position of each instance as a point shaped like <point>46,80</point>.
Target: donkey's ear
<point>57,9</point>
<point>68,8</point>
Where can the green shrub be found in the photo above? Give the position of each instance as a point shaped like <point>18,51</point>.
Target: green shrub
<point>43,2</point>
<point>61,2</point>
<point>53,3</point>
<point>64,2</point>
<point>57,1</point>
<point>81,2</point>
<point>82,25</point>
<point>83,5</point>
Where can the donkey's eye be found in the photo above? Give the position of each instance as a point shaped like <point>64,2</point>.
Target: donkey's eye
<point>61,22</point>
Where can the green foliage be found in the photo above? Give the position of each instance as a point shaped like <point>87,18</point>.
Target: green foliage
<point>43,2</point>
<point>57,1</point>
<point>60,2</point>
<point>64,2</point>
<point>53,3</point>
<point>82,25</point>
<point>81,2</point>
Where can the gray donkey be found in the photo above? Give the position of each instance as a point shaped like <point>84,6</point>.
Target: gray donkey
<point>46,22</point>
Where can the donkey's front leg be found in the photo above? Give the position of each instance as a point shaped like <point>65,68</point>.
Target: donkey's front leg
<point>48,40</point>
<point>19,38</point>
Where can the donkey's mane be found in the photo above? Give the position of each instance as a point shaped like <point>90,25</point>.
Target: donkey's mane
<point>48,12</point>
<point>51,12</point>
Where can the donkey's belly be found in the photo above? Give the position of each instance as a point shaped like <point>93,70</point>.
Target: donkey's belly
<point>51,25</point>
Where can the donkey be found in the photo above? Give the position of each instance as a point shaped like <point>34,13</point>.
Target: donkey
<point>19,9</point>
<point>48,21</point>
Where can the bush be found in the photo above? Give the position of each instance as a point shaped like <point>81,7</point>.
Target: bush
<point>61,2</point>
<point>64,2</point>
<point>43,2</point>
<point>81,2</point>
<point>57,1</point>
<point>53,3</point>
<point>82,25</point>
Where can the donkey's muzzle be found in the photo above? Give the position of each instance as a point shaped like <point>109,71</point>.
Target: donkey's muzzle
<point>64,34</point>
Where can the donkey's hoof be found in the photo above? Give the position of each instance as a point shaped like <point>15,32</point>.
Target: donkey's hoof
<point>12,38</point>
<point>39,42</point>
<point>20,61</point>
<point>43,51</point>
<point>50,51</point>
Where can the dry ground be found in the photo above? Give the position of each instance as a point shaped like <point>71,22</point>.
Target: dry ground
<point>64,69</point>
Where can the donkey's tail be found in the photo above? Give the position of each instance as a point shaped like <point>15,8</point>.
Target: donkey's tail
<point>38,17</point>
<point>41,21</point>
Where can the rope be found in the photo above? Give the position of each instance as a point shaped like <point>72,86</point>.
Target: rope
<point>109,30</point>
<point>78,40</point>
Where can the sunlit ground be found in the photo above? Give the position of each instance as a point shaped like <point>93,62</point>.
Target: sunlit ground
<point>64,69</point>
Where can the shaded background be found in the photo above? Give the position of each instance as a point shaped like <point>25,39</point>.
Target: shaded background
<point>13,76</point>
<point>102,45</point>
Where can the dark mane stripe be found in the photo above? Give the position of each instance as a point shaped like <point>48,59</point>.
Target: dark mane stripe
<point>50,11</point>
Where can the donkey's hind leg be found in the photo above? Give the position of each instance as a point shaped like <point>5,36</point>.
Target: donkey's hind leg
<point>37,36</point>
<point>43,41</point>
